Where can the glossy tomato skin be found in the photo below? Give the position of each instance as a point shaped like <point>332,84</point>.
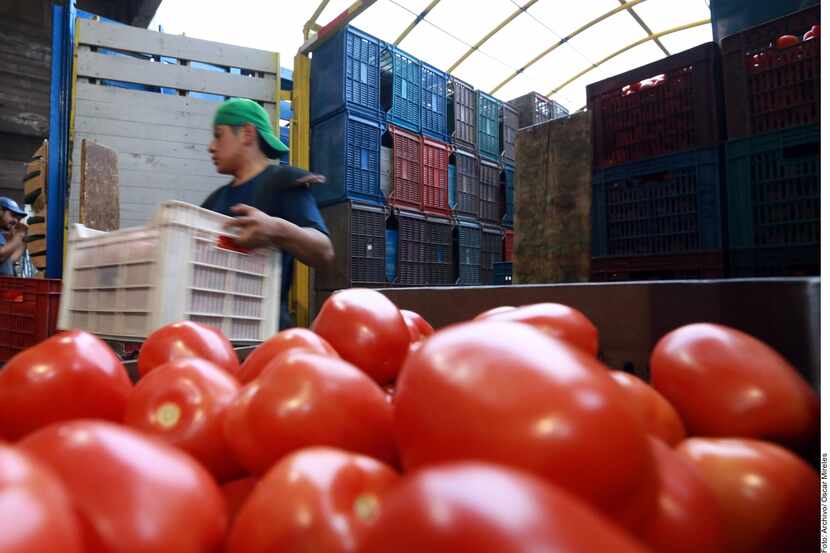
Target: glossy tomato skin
<point>424,328</point>
<point>686,520</point>
<point>35,512</point>
<point>236,493</point>
<point>304,399</point>
<point>328,499</point>
<point>724,382</point>
<point>68,376</point>
<point>488,509</point>
<point>131,492</point>
<point>785,41</point>
<point>187,339</point>
<point>293,338</point>
<point>184,402</point>
<point>767,498</point>
<point>556,320</point>
<point>657,414</point>
<point>493,311</point>
<point>508,393</point>
<point>367,330</point>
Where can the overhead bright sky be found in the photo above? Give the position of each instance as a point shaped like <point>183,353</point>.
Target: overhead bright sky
<point>453,26</point>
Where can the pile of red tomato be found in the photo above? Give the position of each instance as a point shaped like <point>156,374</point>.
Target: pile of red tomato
<point>372,433</point>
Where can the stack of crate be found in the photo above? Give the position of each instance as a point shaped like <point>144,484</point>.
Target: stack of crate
<point>772,100</point>
<point>658,193</point>
<point>387,131</point>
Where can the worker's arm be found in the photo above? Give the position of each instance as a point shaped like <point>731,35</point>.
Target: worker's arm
<point>257,230</point>
<point>13,245</point>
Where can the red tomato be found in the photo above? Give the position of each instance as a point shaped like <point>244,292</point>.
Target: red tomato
<point>785,41</point>
<point>494,311</point>
<point>133,493</point>
<point>35,513</point>
<point>724,382</point>
<point>414,332</point>
<point>187,339</point>
<point>507,393</point>
<point>68,376</point>
<point>183,402</point>
<point>303,399</point>
<point>814,32</point>
<point>658,416</point>
<point>293,338</point>
<point>424,328</point>
<point>236,494</point>
<point>328,499</point>
<point>767,498</point>
<point>367,330</point>
<point>556,320</point>
<point>685,521</point>
<point>488,509</point>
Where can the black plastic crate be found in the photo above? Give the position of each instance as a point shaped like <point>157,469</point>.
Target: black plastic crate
<point>508,129</point>
<point>438,251</point>
<point>467,186</point>
<point>533,108</point>
<point>461,114</point>
<point>491,251</point>
<point>411,251</point>
<point>698,265</point>
<point>671,204</point>
<point>558,111</point>
<point>667,106</point>
<point>503,273</point>
<point>345,73</point>
<point>507,173</point>
<point>767,88</point>
<point>400,88</point>
<point>488,109</point>
<point>467,252</point>
<point>492,203</point>
<point>434,102</point>
<point>774,196</point>
<point>789,261</point>
<point>359,239</point>
<point>345,148</point>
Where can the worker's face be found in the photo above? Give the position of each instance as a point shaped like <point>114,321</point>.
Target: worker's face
<point>227,149</point>
<point>9,220</point>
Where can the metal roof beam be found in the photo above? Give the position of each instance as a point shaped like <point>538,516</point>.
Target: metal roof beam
<point>646,29</point>
<point>312,22</point>
<point>330,29</point>
<point>415,21</point>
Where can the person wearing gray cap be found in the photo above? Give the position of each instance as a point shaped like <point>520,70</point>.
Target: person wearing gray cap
<point>12,235</point>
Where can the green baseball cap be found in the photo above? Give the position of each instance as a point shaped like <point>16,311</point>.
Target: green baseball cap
<point>239,111</point>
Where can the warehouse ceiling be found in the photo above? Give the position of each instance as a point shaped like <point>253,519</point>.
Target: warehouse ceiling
<point>508,47</point>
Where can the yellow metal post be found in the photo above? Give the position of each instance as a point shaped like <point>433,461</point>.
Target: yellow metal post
<point>299,157</point>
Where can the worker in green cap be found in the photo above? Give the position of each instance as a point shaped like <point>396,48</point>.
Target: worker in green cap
<point>271,203</point>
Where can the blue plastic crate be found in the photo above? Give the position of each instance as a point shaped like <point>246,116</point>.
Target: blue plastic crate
<point>345,73</point>
<point>467,250</point>
<point>346,149</point>
<point>507,180</point>
<point>666,205</point>
<point>434,102</point>
<point>400,88</point>
<point>503,273</point>
<point>452,185</point>
<point>488,110</point>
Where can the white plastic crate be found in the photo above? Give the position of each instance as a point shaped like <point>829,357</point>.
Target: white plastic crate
<point>123,285</point>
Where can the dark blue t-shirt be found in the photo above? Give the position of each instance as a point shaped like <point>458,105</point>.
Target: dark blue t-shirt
<point>269,192</point>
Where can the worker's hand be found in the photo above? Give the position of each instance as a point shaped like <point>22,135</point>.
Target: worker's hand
<point>21,229</point>
<point>256,229</point>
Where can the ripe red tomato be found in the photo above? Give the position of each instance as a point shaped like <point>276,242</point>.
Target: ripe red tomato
<point>685,520</point>
<point>293,338</point>
<point>414,331</point>
<point>507,393</point>
<point>328,499</point>
<point>133,493</point>
<point>488,509</point>
<point>303,399</point>
<point>767,498</point>
<point>785,41</point>
<point>724,382</point>
<point>183,402</point>
<point>68,376</point>
<point>424,328</point>
<point>35,512</point>
<point>494,311</point>
<point>658,416</point>
<point>556,320</point>
<point>187,339</point>
<point>814,32</point>
<point>236,493</point>
<point>367,330</point>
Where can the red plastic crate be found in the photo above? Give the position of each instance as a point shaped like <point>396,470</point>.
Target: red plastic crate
<point>767,88</point>
<point>668,106</point>
<point>406,169</point>
<point>508,245</point>
<point>435,157</point>
<point>28,313</point>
